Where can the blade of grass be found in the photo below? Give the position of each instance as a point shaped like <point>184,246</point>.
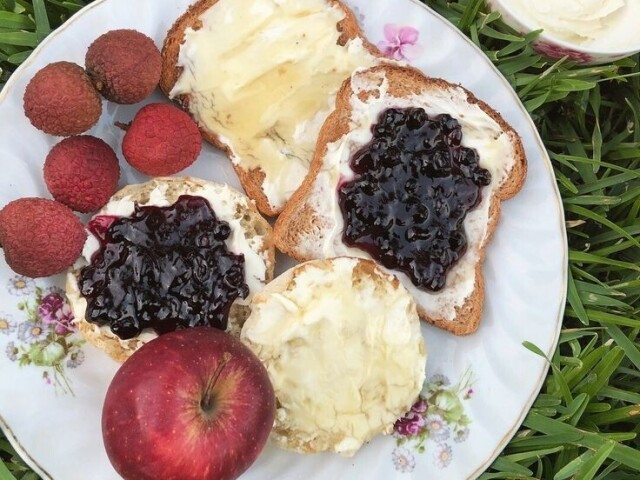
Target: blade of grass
<point>589,469</point>
<point>625,455</point>
<point>43,27</point>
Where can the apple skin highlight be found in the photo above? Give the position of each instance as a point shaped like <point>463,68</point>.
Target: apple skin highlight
<point>191,404</point>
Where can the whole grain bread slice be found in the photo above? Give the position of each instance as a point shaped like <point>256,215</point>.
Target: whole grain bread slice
<point>254,227</point>
<point>252,179</point>
<point>307,229</point>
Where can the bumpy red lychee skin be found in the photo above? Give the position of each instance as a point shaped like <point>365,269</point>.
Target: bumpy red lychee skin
<point>124,65</point>
<point>161,140</point>
<point>61,100</point>
<point>40,237</point>
<point>82,172</point>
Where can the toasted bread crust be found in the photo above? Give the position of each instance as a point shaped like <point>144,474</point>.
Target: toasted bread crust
<point>298,218</point>
<point>120,350</point>
<point>251,180</point>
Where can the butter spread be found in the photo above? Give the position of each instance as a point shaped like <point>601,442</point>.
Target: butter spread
<point>479,131</point>
<point>606,24</point>
<point>344,352</point>
<point>224,202</point>
<point>263,74</point>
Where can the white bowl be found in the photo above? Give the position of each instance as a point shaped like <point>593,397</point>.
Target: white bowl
<point>556,48</point>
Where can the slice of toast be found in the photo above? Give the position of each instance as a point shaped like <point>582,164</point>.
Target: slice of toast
<point>252,237</point>
<point>261,83</point>
<point>311,225</point>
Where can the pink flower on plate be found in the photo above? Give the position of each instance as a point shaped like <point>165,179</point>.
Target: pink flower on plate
<point>401,43</point>
<point>409,425</point>
<point>54,311</point>
<point>556,51</point>
<point>420,406</point>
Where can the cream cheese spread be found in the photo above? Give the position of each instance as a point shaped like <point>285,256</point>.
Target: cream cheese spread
<point>262,75</point>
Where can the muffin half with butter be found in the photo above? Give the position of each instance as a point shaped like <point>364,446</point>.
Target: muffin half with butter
<point>342,344</point>
<point>165,255</point>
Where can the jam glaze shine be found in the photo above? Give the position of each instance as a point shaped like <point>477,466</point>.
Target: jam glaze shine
<point>164,268</point>
<point>413,185</point>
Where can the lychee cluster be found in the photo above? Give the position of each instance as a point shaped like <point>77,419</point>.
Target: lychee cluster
<point>64,99</point>
<point>43,237</point>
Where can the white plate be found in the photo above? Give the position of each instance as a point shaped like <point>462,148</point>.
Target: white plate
<point>480,386</point>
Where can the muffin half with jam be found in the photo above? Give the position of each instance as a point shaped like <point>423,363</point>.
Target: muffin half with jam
<point>165,255</point>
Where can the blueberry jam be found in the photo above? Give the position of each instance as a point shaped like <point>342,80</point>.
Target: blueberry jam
<point>164,268</point>
<point>413,186</point>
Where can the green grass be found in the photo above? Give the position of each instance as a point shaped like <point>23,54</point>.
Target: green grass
<point>585,423</point>
<point>23,24</point>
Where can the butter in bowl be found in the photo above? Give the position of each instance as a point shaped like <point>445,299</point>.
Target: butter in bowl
<point>586,31</point>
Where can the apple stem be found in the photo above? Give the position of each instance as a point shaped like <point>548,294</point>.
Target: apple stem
<point>207,402</point>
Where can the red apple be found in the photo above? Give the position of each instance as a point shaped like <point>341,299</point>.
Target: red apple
<point>192,404</point>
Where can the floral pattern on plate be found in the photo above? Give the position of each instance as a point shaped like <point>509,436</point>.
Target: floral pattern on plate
<point>438,416</point>
<point>45,337</point>
<point>401,42</point>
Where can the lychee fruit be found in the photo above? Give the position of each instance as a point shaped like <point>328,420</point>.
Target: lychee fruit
<point>124,65</point>
<point>40,237</point>
<point>82,172</point>
<point>161,140</point>
<point>61,100</point>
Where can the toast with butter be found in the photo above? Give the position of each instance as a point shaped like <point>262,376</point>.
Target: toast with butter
<point>250,236</point>
<point>260,77</point>
<point>341,341</point>
<point>411,219</point>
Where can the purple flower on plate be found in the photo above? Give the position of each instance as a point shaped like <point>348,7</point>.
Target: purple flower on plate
<point>30,332</point>
<point>54,311</point>
<point>438,429</point>
<point>12,351</point>
<point>403,460</point>
<point>7,324</point>
<point>420,406</point>
<point>21,286</point>
<point>401,42</point>
<point>556,51</point>
<point>443,456</point>
<point>409,425</point>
